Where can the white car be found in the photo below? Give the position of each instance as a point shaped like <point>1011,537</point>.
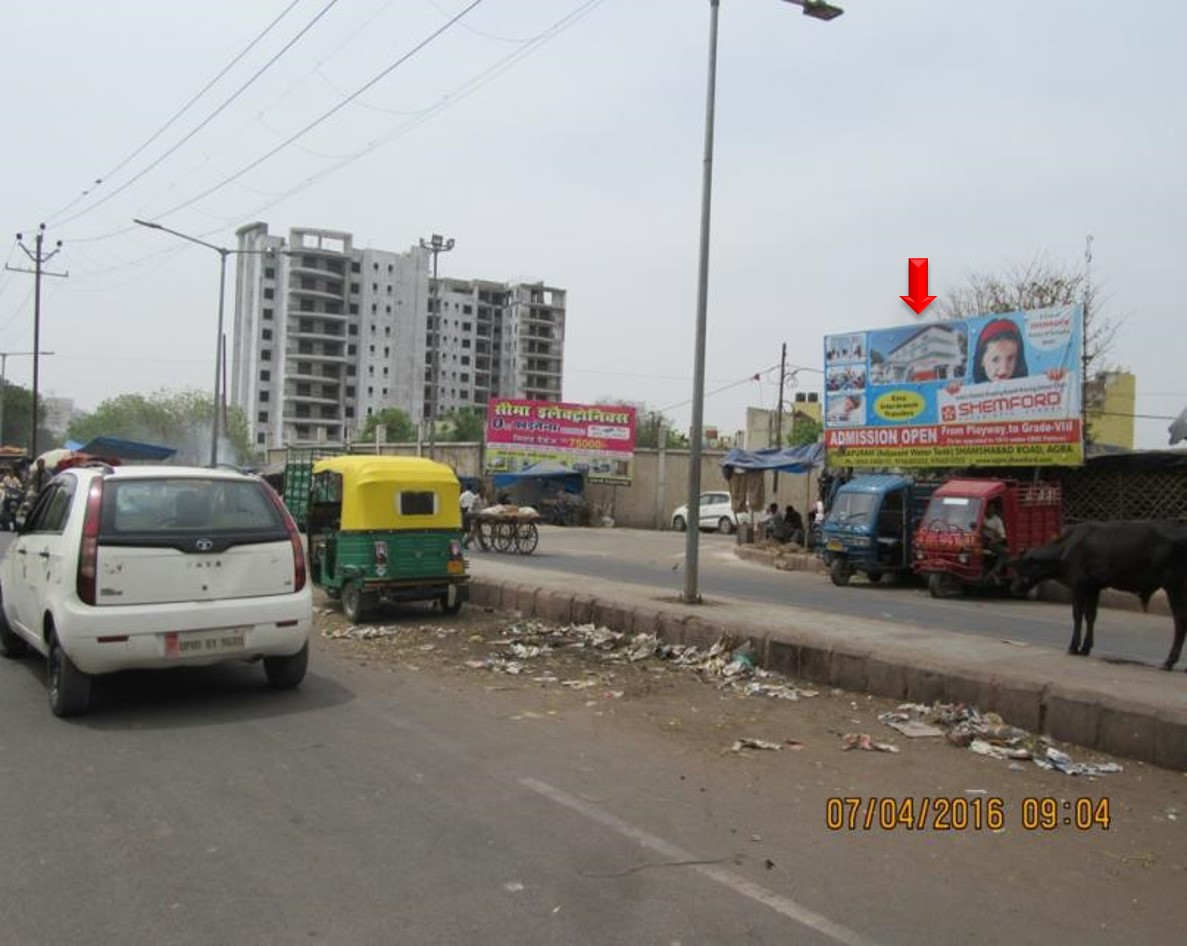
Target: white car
<point>716,513</point>
<point>142,567</point>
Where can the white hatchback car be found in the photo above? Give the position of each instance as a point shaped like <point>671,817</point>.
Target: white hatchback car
<point>122,568</point>
<point>715,513</point>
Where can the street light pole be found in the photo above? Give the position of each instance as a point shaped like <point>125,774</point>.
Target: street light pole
<point>223,252</point>
<point>821,10</point>
<point>436,245</point>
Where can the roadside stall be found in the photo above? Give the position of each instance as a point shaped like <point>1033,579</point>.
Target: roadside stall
<point>556,491</point>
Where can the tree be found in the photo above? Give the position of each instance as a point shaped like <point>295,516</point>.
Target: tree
<point>178,419</point>
<point>18,405</point>
<point>804,430</point>
<point>648,424</point>
<point>399,426</point>
<point>1037,284</point>
<point>466,425</point>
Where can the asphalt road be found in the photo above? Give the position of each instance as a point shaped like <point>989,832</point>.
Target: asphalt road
<point>644,557</point>
<point>397,802</point>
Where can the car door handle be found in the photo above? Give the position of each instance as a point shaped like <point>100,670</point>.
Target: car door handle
<point>22,551</point>
<point>44,553</point>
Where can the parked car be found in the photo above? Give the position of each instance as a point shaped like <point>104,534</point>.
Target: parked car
<point>716,513</point>
<point>143,567</point>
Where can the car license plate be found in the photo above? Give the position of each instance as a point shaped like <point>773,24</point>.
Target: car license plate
<point>203,643</point>
<point>834,545</point>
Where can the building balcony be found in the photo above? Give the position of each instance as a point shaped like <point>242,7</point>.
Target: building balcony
<point>293,355</point>
<point>317,335</point>
<point>324,294</point>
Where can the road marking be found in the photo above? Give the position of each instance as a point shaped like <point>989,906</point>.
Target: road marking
<point>737,883</point>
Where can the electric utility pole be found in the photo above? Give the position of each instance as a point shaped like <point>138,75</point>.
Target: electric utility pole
<point>779,413</point>
<point>39,259</point>
<point>436,245</point>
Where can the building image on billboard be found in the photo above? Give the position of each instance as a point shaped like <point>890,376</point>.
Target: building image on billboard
<point>595,439</point>
<point>1000,390</point>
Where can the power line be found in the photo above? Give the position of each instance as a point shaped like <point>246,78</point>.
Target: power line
<point>733,384</point>
<point>176,115</point>
<point>324,116</point>
<point>206,121</point>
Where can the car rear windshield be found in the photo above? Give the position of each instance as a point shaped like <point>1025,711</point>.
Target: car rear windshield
<point>169,506</point>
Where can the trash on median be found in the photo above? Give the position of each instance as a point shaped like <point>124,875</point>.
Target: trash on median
<point>1062,762</point>
<point>747,743</point>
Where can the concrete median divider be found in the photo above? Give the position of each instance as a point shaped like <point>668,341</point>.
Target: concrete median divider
<point>1131,711</point>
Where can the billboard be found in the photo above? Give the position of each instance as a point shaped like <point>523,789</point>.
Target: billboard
<point>596,439</point>
<point>990,390</point>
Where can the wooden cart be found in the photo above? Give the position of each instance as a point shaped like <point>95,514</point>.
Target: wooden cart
<point>509,529</point>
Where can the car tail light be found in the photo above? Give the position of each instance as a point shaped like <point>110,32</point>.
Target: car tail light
<point>88,556</point>
<point>294,538</point>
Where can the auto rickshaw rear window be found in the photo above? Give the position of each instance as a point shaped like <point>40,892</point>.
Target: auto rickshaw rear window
<point>418,503</point>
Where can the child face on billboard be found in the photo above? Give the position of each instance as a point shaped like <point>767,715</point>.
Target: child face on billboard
<point>1000,359</point>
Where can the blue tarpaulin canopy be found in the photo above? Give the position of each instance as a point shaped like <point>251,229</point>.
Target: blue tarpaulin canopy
<point>784,459</point>
<point>566,477</point>
<point>118,449</point>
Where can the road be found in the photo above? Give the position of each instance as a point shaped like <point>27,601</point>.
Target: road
<point>644,557</point>
<point>401,797</point>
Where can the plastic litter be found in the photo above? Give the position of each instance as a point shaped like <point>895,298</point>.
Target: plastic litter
<point>1055,760</point>
<point>861,740</point>
<point>748,743</point>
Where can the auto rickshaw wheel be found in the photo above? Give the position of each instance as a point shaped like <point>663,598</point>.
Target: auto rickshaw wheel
<point>354,602</point>
<point>840,572</point>
<point>451,601</point>
<point>940,584</point>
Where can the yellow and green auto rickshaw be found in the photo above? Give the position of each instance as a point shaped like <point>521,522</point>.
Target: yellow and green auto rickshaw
<point>386,529</point>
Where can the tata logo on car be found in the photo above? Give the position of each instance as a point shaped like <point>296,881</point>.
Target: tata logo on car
<point>203,545</point>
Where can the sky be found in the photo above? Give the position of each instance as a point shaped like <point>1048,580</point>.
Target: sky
<point>562,140</point>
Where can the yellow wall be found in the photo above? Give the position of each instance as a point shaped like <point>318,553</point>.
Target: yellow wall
<point>1110,399</point>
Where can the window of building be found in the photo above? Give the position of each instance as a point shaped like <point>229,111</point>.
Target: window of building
<point>370,392</point>
<point>465,379</point>
<point>375,287</point>
<point>371,349</point>
<point>389,267</point>
<point>354,287</point>
<point>389,309</point>
<point>374,308</point>
<point>354,308</point>
<point>372,328</point>
<point>389,289</point>
<point>385,371</point>
<point>370,371</point>
<point>269,293</point>
<point>385,392</point>
<point>267,314</point>
<point>466,326</point>
<point>269,272</point>
<point>352,330</point>
<point>265,396</point>
<point>302,431</point>
<point>266,334</point>
<point>465,359</point>
<point>304,367</point>
<point>266,354</point>
<point>387,352</point>
<point>350,372</point>
<point>262,417</point>
<point>466,310</point>
<point>355,268</point>
<point>375,266</point>
<point>350,390</point>
<point>349,412</point>
<point>265,375</point>
<point>465,343</point>
<point>387,330</point>
<point>260,438</point>
<point>303,389</point>
<point>350,349</point>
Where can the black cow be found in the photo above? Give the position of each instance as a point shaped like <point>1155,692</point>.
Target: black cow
<point>1131,556</point>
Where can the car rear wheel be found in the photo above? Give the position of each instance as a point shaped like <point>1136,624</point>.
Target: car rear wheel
<point>285,673</point>
<point>724,526</point>
<point>11,644</point>
<point>69,687</point>
<point>679,524</point>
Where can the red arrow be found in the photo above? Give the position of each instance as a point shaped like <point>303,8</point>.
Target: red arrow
<point>918,299</point>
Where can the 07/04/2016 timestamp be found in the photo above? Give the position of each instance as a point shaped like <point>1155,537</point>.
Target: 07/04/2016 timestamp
<point>960,813</point>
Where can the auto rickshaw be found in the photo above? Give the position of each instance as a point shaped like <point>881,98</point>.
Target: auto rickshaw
<point>386,529</point>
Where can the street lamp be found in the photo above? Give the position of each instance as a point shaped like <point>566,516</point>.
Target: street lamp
<point>436,245</point>
<point>821,11</point>
<point>223,253</point>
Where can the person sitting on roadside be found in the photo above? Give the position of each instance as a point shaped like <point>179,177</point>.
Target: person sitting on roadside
<point>795,524</point>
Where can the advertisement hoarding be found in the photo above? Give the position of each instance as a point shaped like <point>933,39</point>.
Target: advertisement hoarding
<point>991,390</point>
<point>596,439</point>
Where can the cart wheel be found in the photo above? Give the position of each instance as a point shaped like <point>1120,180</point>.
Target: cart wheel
<point>527,537</point>
<point>504,536</point>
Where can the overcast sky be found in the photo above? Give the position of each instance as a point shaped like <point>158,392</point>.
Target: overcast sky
<point>975,134</point>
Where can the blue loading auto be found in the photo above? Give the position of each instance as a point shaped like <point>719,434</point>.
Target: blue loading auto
<point>870,524</point>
